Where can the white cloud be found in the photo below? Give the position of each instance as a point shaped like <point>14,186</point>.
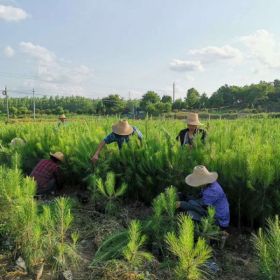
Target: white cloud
<point>186,65</point>
<point>10,13</point>
<point>9,51</point>
<point>55,73</point>
<point>263,46</point>
<point>212,54</point>
<point>189,78</point>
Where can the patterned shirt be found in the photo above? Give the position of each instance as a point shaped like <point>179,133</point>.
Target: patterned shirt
<point>44,171</point>
<point>120,139</point>
<point>213,195</point>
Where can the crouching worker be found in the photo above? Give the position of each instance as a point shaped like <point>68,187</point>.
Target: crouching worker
<point>47,174</point>
<point>212,194</point>
<point>121,132</point>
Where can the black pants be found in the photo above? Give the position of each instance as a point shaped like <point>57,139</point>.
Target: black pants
<point>48,188</point>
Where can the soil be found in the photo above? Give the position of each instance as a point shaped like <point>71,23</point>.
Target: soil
<point>234,261</point>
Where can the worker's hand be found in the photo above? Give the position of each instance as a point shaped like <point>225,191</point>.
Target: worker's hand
<point>94,159</point>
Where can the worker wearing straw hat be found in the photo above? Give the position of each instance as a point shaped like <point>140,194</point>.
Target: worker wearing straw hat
<point>212,194</point>
<point>61,120</point>
<point>121,132</point>
<point>47,174</point>
<point>186,136</point>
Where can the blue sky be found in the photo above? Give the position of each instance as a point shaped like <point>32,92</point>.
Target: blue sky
<point>95,48</point>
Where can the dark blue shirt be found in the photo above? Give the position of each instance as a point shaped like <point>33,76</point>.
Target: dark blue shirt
<point>213,195</point>
<point>120,139</point>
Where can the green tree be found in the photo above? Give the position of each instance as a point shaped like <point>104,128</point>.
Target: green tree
<point>113,104</point>
<point>150,97</point>
<point>192,98</point>
<point>179,104</point>
<point>203,101</point>
<point>166,99</point>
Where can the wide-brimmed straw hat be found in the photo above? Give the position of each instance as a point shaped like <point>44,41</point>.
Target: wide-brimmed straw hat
<point>17,142</point>
<point>58,155</point>
<point>193,119</point>
<point>62,116</point>
<point>201,176</point>
<point>122,128</point>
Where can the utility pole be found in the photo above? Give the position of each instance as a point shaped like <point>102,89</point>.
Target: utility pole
<point>5,93</point>
<point>34,108</point>
<point>173,92</point>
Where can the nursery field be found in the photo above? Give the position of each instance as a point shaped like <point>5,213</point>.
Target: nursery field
<point>117,219</point>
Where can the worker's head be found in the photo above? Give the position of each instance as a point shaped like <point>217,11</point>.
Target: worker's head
<point>193,121</point>
<point>62,118</point>
<point>57,157</point>
<point>122,128</point>
<point>201,177</point>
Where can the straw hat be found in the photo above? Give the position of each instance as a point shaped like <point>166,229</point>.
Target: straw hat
<point>193,119</point>
<point>201,176</point>
<point>17,142</point>
<point>62,116</point>
<point>122,128</point>
<point>58,155</point>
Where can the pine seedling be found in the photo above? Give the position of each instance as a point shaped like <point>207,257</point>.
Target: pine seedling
<point>109,191</point>
<point>132,252</point>
<point>164,207</point>
<point>66,253</point>
<point>191,256</point>
<point>207,227</point>
<point>267,246</point>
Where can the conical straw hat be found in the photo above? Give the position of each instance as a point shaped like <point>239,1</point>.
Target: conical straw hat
<point>58,155</point>
<point>193,119</point>
<point>62,116</point>
<point>122,128</point>
<point>201,176</point>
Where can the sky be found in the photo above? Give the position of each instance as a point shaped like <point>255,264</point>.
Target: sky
<point>127,47</point>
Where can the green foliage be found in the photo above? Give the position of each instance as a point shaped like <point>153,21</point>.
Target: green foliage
<point>192,98</point>
<point>109,191</point>
<point>132,252</point>
<point>65,251</point>
<point>267,246</point>
<point>111,248</point>
<point>248,173</point>
<point>191,256</point>
<point>37,235</point>
<point>207,228</point>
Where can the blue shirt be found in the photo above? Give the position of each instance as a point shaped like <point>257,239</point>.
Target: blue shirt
<point>213,195</point>
<point>120,139</point>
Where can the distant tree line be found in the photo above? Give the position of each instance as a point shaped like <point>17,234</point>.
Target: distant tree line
<point>264,96</point>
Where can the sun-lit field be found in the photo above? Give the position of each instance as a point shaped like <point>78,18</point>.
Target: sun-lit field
<point>245,153</point>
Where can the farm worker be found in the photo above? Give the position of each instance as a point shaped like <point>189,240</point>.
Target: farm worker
<point>186,136</point>
<point>212,194</point>
<point>47,174</point>
<point>122,131</point>
<point>61,120</point>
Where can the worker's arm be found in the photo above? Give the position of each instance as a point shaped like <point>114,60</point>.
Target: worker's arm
<point>94,159</point>
<point>139,133</point>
